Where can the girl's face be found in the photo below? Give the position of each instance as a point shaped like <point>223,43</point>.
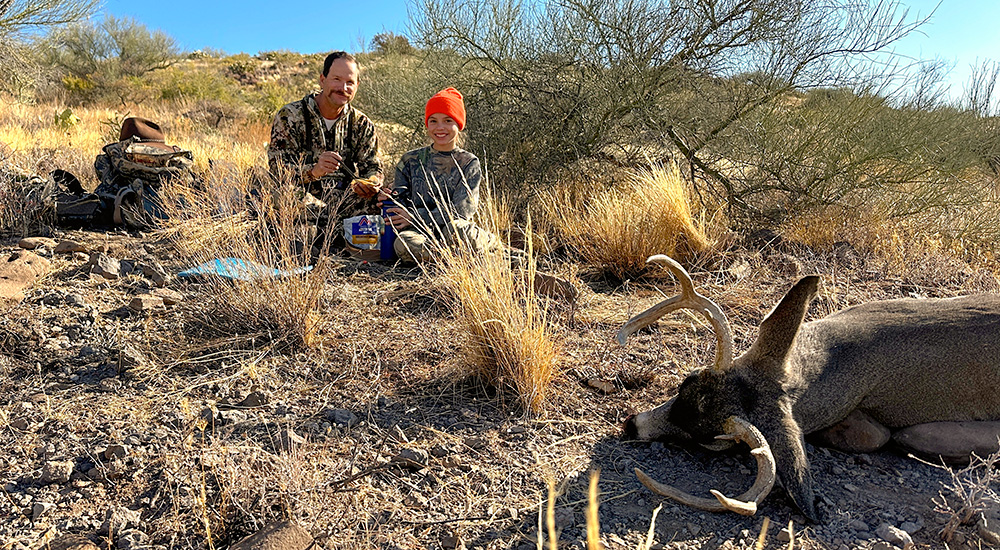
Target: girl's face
<point>443,131</point>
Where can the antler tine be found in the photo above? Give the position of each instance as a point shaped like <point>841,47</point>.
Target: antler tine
<point>688,299</point>
<point>745,504</point>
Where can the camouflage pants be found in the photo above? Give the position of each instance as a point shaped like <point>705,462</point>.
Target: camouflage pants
<point>415,247</point>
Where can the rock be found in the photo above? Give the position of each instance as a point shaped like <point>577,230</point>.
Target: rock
<point>56,471</point>
<point>118,519</point>
<point>475,442</point>
<point>31,243</point>
<point>894,535</point>
<point>952,441</point>
<point>912,527</point>
<point>39,509</point>
<point>115,451</point>
<point>988,530</point>
<point>145,303</point>
<point>858,433</point>
<point>102,265</point>
<point>71,542</point>
<point>283,535</point>
<point>155,273</point>
<point>784,535</point>
<point>17,272</point>
<point>81,257</point>
<point>253,399</point>
<point>414,458</point>
<point>342,417</point>
<point>131,538</point>
<point>555,287</point>
<point>882,545</point>
<point>69,247</point>
<point>451,541</point>
<point>859,525</point>
<point>169,297</point>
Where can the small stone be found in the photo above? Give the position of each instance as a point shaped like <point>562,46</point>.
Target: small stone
<point>894,535</point>
<point>39,509</point>
<point>882,545</point>
<point>81,257</point>
<point>57,471</point>
<point>439,451</point>
<point>32,243</point>
<point>784,535</point>
<point>115,451</point>
<point>76,300</point>
<point>118,519</point>
<point>169,297</point>
<point>283,535</point>
<point>20,424</point>
<point>850,488</point>
<point>416,458</point>
<point>910,527</point>
<point>69,247</point>
<point>155,273</point>
<point>145,303</point>
<point>859,525</point>
<point>105,266</point>
<point>342,417</point>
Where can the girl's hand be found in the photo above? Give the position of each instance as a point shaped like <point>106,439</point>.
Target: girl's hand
<point>398,218</point>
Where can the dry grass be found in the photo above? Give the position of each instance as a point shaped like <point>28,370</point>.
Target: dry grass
<point>509,334</point>
<point>239,217</point>
<point>617,229</point>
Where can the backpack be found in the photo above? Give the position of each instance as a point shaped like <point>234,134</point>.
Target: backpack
<point>131,173</point>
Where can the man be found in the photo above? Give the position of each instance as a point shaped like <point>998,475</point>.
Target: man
<point>323,143</point>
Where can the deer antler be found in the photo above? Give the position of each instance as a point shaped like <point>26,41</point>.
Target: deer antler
<point>745,504</point>
<point>688,299</point>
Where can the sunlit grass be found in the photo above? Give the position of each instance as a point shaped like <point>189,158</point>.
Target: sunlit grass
<point>617,229</point>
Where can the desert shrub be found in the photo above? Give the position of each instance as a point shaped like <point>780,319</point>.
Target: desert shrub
<point>617,229</point>
<point>104,60</point>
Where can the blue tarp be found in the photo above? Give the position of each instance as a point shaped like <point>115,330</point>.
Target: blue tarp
<point>240,270</point>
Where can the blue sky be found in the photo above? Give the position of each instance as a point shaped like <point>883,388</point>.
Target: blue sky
<point>960,31</point>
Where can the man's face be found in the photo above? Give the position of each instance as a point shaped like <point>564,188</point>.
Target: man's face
<point>339,85</point>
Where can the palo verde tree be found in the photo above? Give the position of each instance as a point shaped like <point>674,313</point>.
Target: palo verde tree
<point>716,84</point>
<point>18,19</point>
<point>106,58</point>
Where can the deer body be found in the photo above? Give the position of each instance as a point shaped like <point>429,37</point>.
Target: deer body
<point>902,362</point>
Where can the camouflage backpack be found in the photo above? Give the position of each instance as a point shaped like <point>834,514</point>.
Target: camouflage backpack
<point>131,173</point>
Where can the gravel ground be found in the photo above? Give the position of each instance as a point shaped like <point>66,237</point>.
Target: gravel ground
<point>151,429</point>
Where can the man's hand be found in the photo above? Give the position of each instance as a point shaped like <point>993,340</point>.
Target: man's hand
<point>328,163</point>
<point>367,188</point>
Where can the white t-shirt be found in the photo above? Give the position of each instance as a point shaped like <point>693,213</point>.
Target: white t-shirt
<point>330,122</point>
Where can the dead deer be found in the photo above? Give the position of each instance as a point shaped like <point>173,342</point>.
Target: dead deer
<point>902,362</point>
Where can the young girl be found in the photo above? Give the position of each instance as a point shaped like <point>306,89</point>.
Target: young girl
<point>437,187</point>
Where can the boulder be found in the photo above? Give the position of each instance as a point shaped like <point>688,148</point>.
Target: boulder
<point>952,441</point>
<point>282,535</point>
<point>858,433</point>
<point>17,272</point>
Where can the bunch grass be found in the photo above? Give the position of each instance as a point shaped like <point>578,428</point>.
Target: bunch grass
<point>617,229</point>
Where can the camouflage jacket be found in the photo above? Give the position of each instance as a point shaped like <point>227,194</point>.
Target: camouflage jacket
<point>438,187</point>
<point>299,136</point>
<point>121,163</point>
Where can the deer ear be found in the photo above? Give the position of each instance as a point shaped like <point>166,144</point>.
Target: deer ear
<point>778,330</point>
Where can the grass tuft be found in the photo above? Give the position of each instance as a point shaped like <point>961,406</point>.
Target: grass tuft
<point>617,229</point>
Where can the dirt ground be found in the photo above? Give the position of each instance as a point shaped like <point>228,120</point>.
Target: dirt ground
<point>154,429</point>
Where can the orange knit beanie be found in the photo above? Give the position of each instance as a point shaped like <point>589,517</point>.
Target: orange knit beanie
<point>448,102</point>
